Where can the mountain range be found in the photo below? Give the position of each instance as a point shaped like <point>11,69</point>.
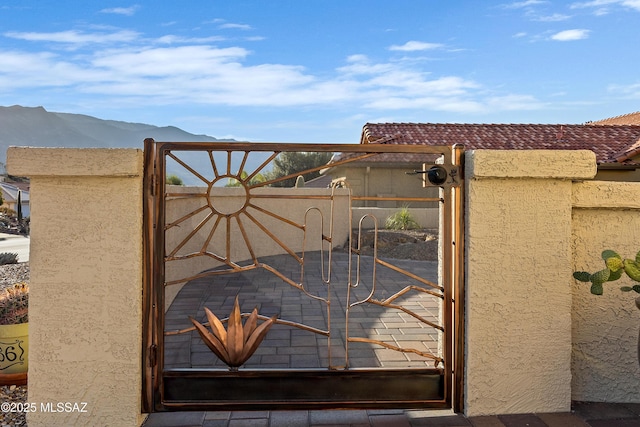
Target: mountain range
<point>37,127</point>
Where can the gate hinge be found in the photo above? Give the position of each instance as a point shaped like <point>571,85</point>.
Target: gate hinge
<point>153,355</point>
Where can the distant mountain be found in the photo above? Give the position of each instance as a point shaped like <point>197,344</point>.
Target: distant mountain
<point>37,127</point>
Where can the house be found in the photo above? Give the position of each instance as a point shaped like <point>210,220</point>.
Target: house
<point>617,147</point>
<point>625,119</point>
<point>10,197</point>
<point>608,142</point>
<point>632,152</point>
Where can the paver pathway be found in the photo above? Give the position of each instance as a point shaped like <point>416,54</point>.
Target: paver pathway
<point>291,347</point>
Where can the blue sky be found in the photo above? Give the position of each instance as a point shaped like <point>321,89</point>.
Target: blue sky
<point>318,70</point>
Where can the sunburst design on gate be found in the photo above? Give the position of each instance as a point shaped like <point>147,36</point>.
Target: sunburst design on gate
<point>238,213</point>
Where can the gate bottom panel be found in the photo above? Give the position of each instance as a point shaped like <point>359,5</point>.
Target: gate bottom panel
<point>311,389</point>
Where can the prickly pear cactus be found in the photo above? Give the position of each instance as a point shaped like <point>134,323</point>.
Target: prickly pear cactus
<point>615,266</point>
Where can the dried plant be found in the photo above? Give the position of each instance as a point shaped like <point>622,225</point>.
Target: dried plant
<point>238,342</point>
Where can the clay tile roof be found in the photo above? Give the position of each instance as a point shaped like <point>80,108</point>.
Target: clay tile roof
<point>606,141</point>
<point>625,119</point>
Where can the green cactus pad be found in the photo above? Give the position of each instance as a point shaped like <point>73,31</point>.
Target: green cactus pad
<point>600,276</point>
<point>583,276</point>
<point>596,288</point>
<point>615,275</point>
<point>626,288</point>
<point>610,254</point>
<point>632,269</point>
<point>636,288</point>
<point>614,263</point>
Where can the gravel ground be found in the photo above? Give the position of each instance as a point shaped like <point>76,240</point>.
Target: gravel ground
<point>15,395</point>
<point>400,244</point>
<point>13,273</point>
<point>10,274</point>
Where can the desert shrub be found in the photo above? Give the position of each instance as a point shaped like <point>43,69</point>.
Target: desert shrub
<point>401,220</point>
<point>8,258</point>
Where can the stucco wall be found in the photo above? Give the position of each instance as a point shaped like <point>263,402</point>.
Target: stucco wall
<point>86,283</point>
<point>425,217</point>
<point>379,181</point>
<point>518,279</point>
<point>605,367</point>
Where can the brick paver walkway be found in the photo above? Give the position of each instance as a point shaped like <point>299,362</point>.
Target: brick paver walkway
<point>583,414</point>
<point>290,347</point>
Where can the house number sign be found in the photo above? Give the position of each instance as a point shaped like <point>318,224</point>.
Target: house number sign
<point>11,353</point>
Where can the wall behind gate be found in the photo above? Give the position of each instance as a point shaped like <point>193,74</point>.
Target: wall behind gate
<point>606,215</point>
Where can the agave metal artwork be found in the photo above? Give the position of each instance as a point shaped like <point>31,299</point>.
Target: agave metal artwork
<point>238,342</point>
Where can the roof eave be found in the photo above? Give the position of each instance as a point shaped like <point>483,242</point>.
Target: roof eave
<point>618,166</point>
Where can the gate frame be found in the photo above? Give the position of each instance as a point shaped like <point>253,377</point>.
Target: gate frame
<point>451,240</point>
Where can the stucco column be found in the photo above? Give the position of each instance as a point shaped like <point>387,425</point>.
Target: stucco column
<point>518,279</point>
<point>86,284</point>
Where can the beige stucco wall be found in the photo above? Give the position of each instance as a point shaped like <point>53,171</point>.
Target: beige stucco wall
<point>86,282</point>
<point>424,217</point>
<point>518,279</point>
<point>605,328</point>
<point>380,181</point>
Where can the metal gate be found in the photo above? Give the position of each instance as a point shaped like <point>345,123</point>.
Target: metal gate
<point>267,290</point>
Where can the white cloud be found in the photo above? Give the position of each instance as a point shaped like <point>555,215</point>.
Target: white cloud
<point>523,4</point>
<point>633,4</point>
<point>128,11</point>
<point>412,46</point>
<point>172,39</point>
<point>570,35</point>
<point>631,91</point>
<point>235,26</point>
<point>75,37</point>
<point>176,71</point>
<point>556,17</point>
<point>601,5</point>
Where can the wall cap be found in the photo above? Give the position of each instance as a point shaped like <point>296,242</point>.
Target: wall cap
<point>606,195</point>
<point>39,161</point>
<point>556,164</point>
